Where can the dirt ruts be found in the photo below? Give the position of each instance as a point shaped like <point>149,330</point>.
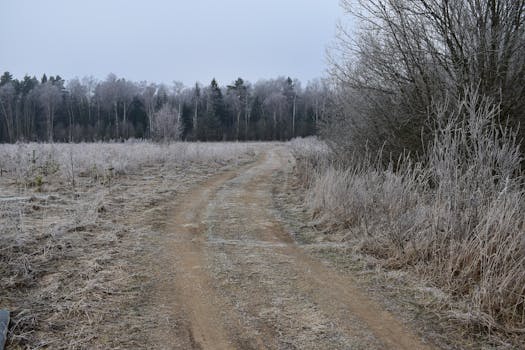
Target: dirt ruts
<point>229,276</point>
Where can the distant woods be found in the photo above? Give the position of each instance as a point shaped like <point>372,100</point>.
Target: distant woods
<point>51,109</point>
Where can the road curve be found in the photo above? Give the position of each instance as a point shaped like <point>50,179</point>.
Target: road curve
<point>229,276</point>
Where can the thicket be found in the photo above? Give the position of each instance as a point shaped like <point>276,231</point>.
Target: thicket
<point>407,56</point>
<point>424,165</point>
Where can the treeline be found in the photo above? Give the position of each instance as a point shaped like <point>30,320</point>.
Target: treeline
<point>51,109</point>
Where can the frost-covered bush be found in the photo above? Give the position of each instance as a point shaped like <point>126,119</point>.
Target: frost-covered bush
<point>457,215</point>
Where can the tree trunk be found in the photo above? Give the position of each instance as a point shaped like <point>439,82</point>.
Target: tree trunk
<point>125,123</point>
<point>8,125</point>
<point>293,115</point>
<point>246,119</point>
<point>274,124</point>
<point>50,124</point>
<point>195,126</point>
<point>238,123</point>
<point>70,112</point>
<point>116,121</point>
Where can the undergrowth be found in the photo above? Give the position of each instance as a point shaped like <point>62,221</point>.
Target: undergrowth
<point>455,215</point>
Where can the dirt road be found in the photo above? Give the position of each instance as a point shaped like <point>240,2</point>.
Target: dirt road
<point>229,276</point>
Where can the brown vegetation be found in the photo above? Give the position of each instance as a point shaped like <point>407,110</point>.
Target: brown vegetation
<point>74,222</point>
<point>455,217</point>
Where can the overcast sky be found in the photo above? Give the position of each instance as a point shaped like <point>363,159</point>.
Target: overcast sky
<point>166,40</point>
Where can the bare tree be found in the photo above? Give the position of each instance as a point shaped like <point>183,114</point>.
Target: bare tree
<point>196,103</point>
<point>31,107</point>
<point>50,97</point>
<point>126,92</point>
<point>77,97</point>
<point>148,94</point>
<point>7,109</point>
<point>90,84</point>
<point>317,95</point>
<point>275,104</point>
<point>178,90</point>
<point>166,124</point>
<point>107,94</point>
<point>410,54</point>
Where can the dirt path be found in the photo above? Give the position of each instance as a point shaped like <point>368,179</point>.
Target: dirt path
<point>229,276</point>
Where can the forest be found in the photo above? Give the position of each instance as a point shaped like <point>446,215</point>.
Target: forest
<point>52,109</point>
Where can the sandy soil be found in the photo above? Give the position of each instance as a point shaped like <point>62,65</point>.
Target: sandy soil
<point>191,257</point>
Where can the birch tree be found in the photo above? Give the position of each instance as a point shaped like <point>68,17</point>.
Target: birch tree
<point>50,97</point>
<point>7,109</point>
<point>148,96</point>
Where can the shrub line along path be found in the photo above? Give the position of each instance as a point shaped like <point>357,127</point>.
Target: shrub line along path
<point>229,276</point>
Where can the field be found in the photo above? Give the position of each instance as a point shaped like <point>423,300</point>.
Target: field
<point>74,219</point>
<point>201,246</point>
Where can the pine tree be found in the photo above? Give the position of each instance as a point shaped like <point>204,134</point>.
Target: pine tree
<point>186,120</point>
<point>6,78</point>
<point>218,121</point>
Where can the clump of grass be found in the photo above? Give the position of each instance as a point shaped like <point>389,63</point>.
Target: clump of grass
<point>311,154</point>
<point>456,215</point>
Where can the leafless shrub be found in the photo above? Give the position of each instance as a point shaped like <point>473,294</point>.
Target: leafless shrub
<point>405,55</point>
<point>165,124</point>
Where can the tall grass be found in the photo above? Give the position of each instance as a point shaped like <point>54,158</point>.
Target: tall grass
<point>311,154</point>
<point>69,264</point>
<point>25,161</point>
<point>455,215</point>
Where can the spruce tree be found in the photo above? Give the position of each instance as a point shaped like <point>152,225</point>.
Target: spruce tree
<point>6,78</point>
<point>217,117</point>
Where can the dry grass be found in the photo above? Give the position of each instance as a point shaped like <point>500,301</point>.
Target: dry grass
<point>56,271</point>
<point>457,217</point>
<point>70,242</point>
<point>31,163</point>
<point>311,155</point>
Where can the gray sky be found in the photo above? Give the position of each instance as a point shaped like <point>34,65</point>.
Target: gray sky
<point>166,40</point>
